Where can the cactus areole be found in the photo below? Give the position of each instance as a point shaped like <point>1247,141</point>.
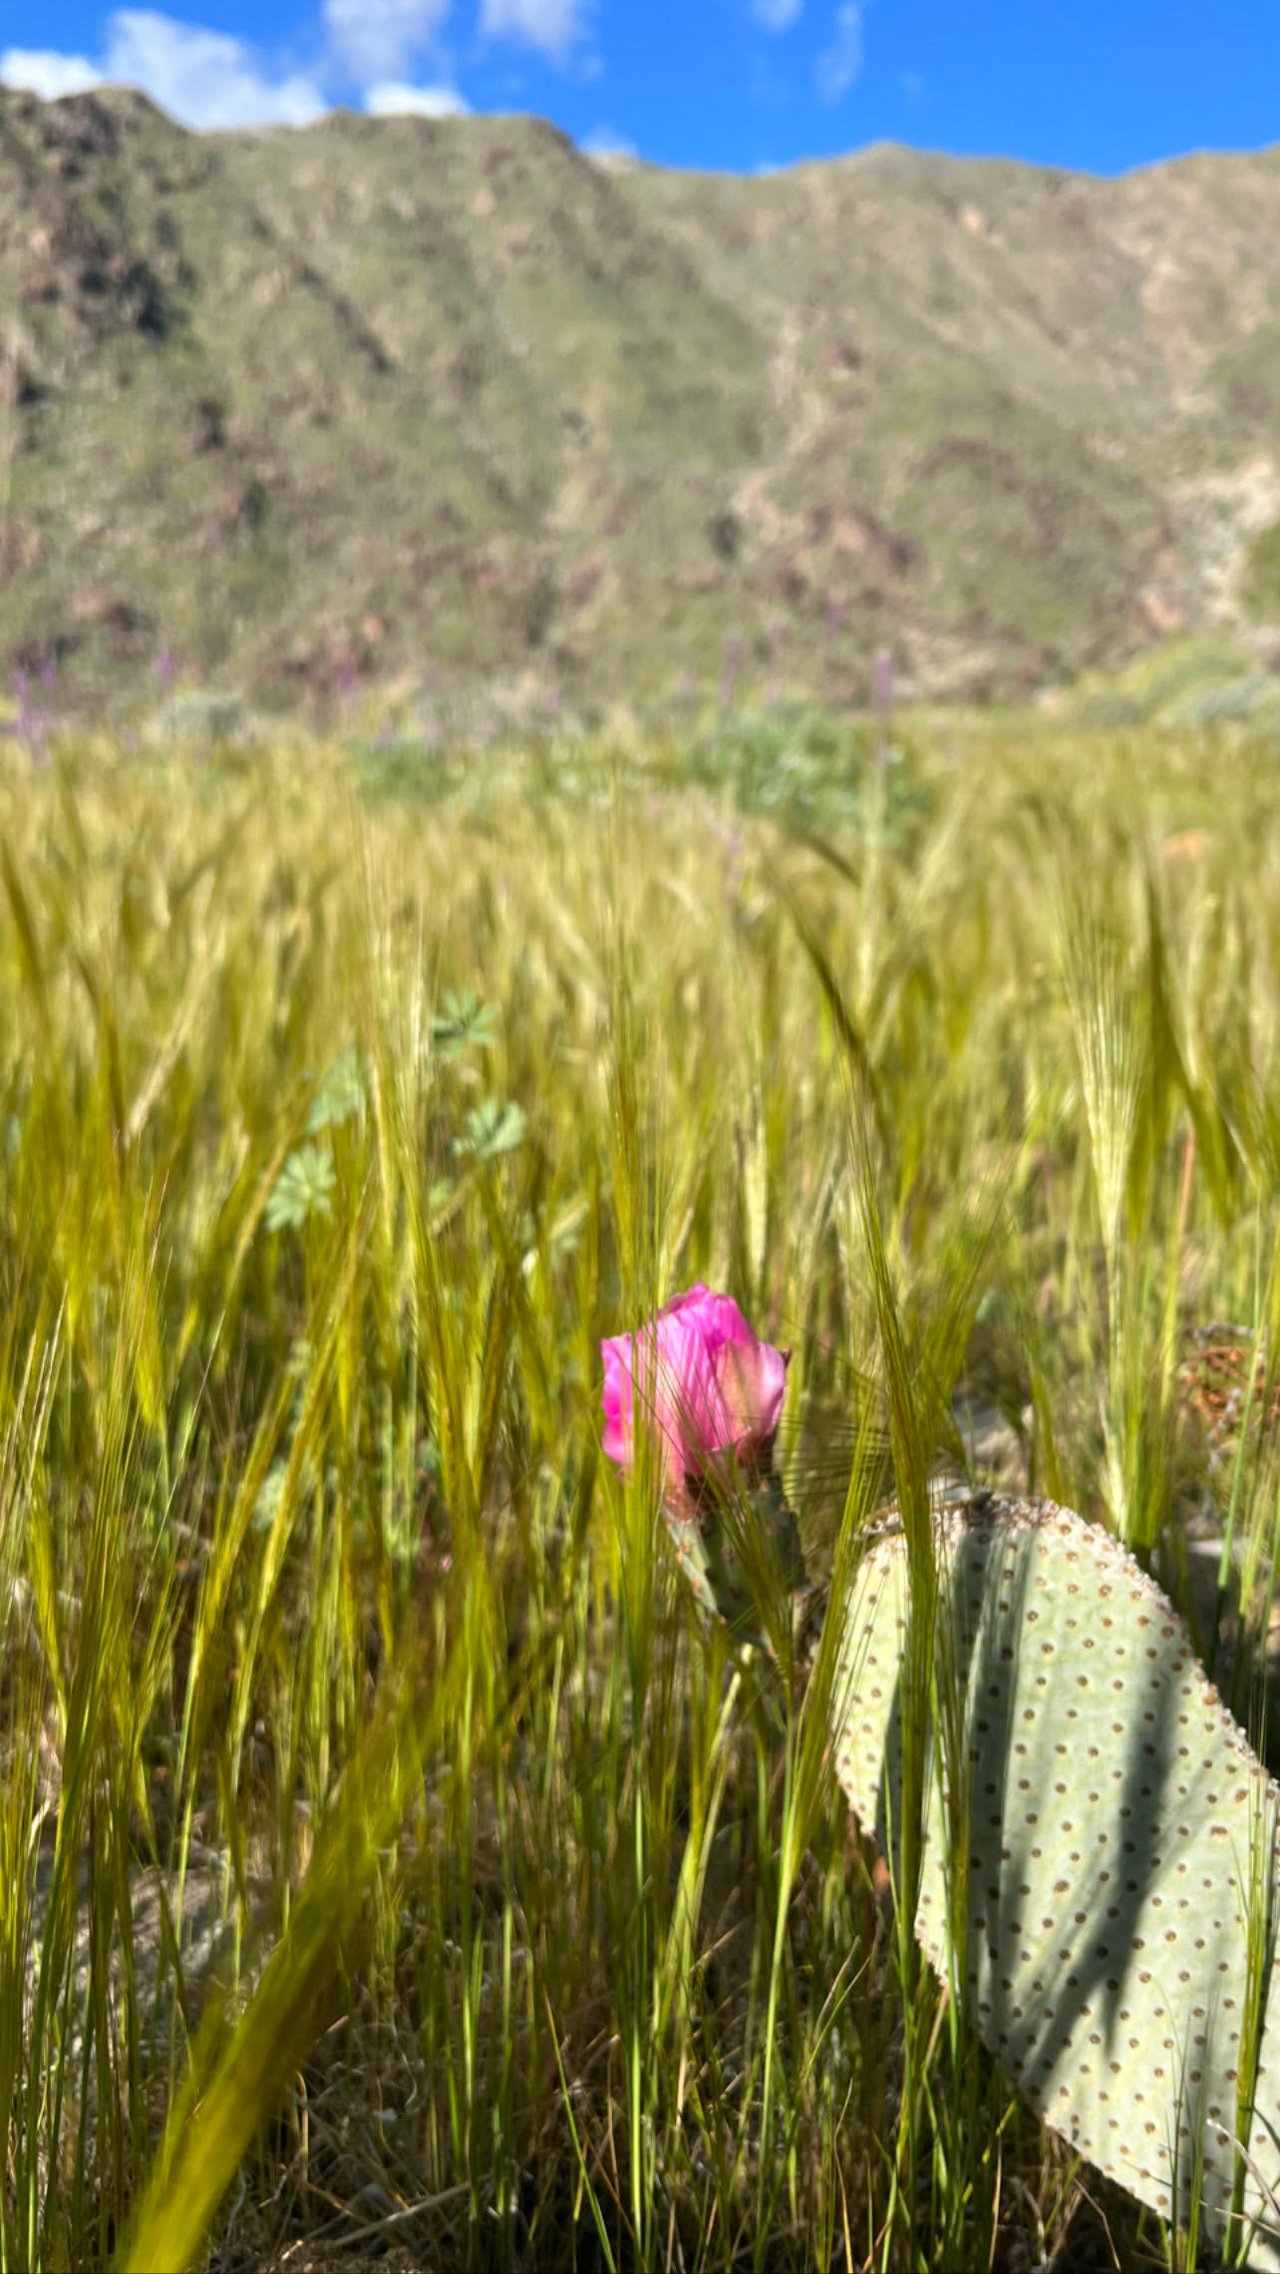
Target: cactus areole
<point>1118,1843</point>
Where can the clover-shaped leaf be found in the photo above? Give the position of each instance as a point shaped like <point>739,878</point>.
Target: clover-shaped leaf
<point>463,1022</point>
<point>491,1129</point>
<point>340,1092</point>
<point>303,1188</point>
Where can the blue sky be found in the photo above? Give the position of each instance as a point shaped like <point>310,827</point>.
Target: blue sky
<point>736,84</point>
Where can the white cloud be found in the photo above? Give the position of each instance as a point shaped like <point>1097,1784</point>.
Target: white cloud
<point>838,65</point>
<point>552,25</point>
<point>604,142</point>
<point>379,38</point>
<point>776,15</point>
<point>42,72</point>
<point>203,78</point>
<point>391,98</point>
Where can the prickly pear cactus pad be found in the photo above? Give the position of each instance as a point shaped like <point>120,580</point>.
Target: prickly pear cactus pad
<point>1117,1837</point>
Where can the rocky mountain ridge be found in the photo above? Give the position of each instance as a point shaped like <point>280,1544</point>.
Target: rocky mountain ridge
<point>450,403</point>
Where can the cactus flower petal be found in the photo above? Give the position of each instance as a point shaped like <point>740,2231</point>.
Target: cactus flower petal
<point>699,1378</point>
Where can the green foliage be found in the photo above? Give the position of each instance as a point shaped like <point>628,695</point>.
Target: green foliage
<point>463,1023</point>
<point>491,1129</point>
<point>1184,683</point>
<point>303,1189</point>
<point>799,766</point>
<point>341,1092</point>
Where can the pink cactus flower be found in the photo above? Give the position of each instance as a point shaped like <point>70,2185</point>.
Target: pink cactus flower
<point>705,1383</point>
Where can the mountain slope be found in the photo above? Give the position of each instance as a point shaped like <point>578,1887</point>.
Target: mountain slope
<point>447,398</point>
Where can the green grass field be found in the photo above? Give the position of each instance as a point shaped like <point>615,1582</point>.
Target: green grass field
<point>391,1865</point>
